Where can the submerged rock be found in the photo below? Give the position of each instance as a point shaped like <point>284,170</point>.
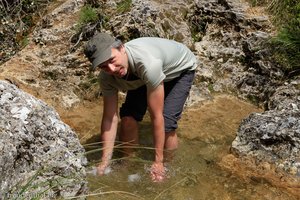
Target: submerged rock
<point>40,156</point>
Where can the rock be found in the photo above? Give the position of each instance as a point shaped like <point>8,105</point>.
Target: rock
<point>165,19</point>
<point>46,67</point>
<point>38,149</point>
<point>227,39</point>
<point>231,42</point>
<point>285,97</point>
<point>273,137</point>
<point>134,177</point>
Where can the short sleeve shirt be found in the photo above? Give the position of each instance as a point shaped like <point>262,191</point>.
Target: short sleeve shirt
<point>152,60</point>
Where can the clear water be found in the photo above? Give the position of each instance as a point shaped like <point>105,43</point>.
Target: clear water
<point>206,132</point>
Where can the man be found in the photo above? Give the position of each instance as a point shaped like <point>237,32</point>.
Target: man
<point>157,74</point>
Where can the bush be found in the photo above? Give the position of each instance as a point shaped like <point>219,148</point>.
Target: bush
<point>88,14</point>
<point>287,41</point>
<point>124,6</point>
<point>286,44</point>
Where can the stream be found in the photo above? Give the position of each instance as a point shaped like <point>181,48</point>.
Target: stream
<point>205,135</point>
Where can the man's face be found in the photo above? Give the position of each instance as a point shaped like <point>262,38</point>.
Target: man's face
<point>117,65</point>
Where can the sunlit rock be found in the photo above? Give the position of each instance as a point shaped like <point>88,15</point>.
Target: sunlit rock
<point>165,19</point>
<point>39,154</point>
<point>273,137</point>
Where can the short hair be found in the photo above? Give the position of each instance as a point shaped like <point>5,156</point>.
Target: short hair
<point>117,44</point>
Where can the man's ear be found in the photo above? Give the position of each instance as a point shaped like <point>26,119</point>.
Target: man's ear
<point>122,48</point>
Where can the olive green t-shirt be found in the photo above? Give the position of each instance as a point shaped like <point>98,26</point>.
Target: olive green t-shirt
<point>152,60</point>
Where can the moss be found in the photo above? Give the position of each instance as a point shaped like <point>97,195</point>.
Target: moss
<point>253,99</point>
<point>210,87</point>
<point>51,75</point>
<point>198,27</point>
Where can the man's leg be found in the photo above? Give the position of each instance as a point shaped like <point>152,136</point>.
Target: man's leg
<point>176,93</point>
<point>171,144</point>
<point>171,141</point>
<point>129,135</point>
<point>131,112</point>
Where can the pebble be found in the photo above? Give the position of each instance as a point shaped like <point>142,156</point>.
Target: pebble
<point>134,177</point>
<point>93,171</point>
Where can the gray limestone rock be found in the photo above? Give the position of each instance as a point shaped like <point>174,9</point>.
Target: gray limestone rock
<point>232,43</point>
<point>165,19</point>
<point>273,137</point>
<point>40,156</point>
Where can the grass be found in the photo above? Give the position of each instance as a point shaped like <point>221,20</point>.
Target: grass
<point>100,192</point>
<point>124,6</point>
<point>108,192</point>
<point>43,183</point>
<point>286,44</point>
<point>34,189</point>
<point>88,14</point>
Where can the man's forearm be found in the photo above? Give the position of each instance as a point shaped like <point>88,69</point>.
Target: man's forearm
<point>108,136</point>
<point>107,145</point>
<point>159,138</point>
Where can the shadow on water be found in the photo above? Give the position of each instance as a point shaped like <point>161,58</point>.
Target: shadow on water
<point>205,134</point>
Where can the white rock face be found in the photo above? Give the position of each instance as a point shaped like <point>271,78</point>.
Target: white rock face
<point>35,144</point>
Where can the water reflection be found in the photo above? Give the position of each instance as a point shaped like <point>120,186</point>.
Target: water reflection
<point>205,135</point>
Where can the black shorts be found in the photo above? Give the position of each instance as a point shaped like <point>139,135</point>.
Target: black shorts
<point>176,93</point>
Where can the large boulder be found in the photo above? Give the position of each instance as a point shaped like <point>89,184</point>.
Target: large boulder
<point>40,156</point>
<point>231,41</point>
<point>272,137</point>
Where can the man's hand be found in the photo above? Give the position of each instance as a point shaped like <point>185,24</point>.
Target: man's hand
<point>103,168</point>
<point>157,172</point>
<point>109,126</point>
<point>155,98</point>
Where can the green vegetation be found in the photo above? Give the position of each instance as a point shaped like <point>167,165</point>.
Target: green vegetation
<point>90,19</point>
<point>24,42</point>
<point>18,18</point>
<point>286,44</point>
<point>88,14</point>
<point>198,26</point>
<point>253,99</point>
<point>210,87</point>
<point>124,6</point>
<point>35,188</point>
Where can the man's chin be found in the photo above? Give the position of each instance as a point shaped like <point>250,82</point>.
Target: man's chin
<point>123,75</point>
<point>119,75</point>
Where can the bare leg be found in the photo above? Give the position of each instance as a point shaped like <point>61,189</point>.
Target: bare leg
<point>171,144</point>
<point>129,134</point>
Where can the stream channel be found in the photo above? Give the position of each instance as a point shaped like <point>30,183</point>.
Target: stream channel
<point>205,132</point>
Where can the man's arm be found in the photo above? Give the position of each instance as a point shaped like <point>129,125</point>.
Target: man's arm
<point>155,99</point>
<point>109,126</point>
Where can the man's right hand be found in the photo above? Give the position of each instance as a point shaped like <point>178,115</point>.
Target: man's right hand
<point>103,168</point>
<point>157,172</point>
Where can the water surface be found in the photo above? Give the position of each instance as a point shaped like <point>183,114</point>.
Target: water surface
<point>205,133</point>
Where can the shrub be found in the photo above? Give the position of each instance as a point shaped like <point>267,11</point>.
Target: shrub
<point>124,6</point>
<point>287,41</point>
<point>286,44</point>
<point>88,14</point>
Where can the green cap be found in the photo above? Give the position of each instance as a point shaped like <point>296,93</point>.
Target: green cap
<point>98,49</point>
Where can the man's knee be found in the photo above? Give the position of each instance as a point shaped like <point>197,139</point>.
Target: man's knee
<point>128,121</point>
<point>129,126</point>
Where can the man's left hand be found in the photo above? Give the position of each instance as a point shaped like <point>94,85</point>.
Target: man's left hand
<point>157,172</point>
